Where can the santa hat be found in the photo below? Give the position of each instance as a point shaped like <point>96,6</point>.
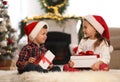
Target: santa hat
<point>100,25</point>
<point>33,28</point>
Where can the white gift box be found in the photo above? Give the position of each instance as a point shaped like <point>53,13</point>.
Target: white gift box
<point>84,61</point>
<point>46,59</point>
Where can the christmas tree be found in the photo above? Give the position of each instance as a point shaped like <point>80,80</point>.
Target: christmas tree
<point>8,39</point>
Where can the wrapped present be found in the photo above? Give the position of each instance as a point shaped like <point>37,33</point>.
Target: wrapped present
<point>47,59</point>
<point>85,61</point>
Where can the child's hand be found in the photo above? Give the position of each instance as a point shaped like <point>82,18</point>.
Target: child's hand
<point>50,66</point>
<point>31,60</point>
<point>71,64</point>
<point>96,66</point>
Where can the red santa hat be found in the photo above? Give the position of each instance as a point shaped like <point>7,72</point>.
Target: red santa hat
<point>33,28</point>
<point>99,24</point>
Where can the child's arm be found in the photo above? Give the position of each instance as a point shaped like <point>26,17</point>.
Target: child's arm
<point>23,58</point>
<point>104,56</point>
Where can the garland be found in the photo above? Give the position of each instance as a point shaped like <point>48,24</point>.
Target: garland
<point>54,6</point>
<point>54,9</point>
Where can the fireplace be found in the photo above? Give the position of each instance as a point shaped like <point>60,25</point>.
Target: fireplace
<point>58,43</point>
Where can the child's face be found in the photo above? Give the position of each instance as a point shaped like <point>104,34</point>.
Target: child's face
<point>42,36</point>
<point>89,30</point>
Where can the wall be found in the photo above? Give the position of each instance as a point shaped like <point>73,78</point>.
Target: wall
<point>19,9</point>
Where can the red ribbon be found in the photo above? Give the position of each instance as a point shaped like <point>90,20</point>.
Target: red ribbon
<point>86,53</point>
<point>44,59</point>
<point>89,53</point>
<point>81,53</point>
<point>75,49</point>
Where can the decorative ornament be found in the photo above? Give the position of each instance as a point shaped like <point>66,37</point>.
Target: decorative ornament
<point>9,51</point>
<point>5,2</point>
<point>53,12</point>
<point>3,43</point>
<point>6,36</point>
<point>54,6</point>
<point>3,29</point>
<point>10,41</point>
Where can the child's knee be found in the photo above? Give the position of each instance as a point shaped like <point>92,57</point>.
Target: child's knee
<point>66,67</point>
<point>104,67</point>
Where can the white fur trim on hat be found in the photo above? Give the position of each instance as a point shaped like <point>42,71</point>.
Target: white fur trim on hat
<point>95,23</point>
<point>36,30</point>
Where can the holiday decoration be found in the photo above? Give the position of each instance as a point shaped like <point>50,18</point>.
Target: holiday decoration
<point>47,59</point>
<point>54,10</point>
<point>54,6</point>
<point>7,34</point>
<point>85,59</point>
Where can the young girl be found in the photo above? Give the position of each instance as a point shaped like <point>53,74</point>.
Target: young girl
<point>97,40</point>
<point>31,53</point>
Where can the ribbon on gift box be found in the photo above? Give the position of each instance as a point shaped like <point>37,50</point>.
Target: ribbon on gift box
<point>83,53</point>
<point>42,58</point>
<point>88,53</point>
<point>75,49</point>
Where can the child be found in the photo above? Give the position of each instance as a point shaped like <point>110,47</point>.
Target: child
<point>97,40</point>
<point>32,52</point>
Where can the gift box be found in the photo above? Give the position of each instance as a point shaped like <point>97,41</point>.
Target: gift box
<point>85,61</point>
<point>47,59</point>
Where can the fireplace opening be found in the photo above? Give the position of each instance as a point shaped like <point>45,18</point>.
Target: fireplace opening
<point>58,43</point>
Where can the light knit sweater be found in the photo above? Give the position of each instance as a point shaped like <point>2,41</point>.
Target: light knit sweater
<point>102,49</point>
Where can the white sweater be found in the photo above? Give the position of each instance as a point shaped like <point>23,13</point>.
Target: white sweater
<point>102,50</point>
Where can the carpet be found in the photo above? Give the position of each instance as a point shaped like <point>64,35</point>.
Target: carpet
<point>83,76</point>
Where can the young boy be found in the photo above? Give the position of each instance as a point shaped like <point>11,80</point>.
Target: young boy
<point>31,53</point>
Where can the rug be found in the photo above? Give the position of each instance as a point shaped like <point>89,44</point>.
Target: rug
<point>83,76</point>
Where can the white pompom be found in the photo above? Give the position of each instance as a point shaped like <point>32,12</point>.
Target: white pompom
<point>3,43</point>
